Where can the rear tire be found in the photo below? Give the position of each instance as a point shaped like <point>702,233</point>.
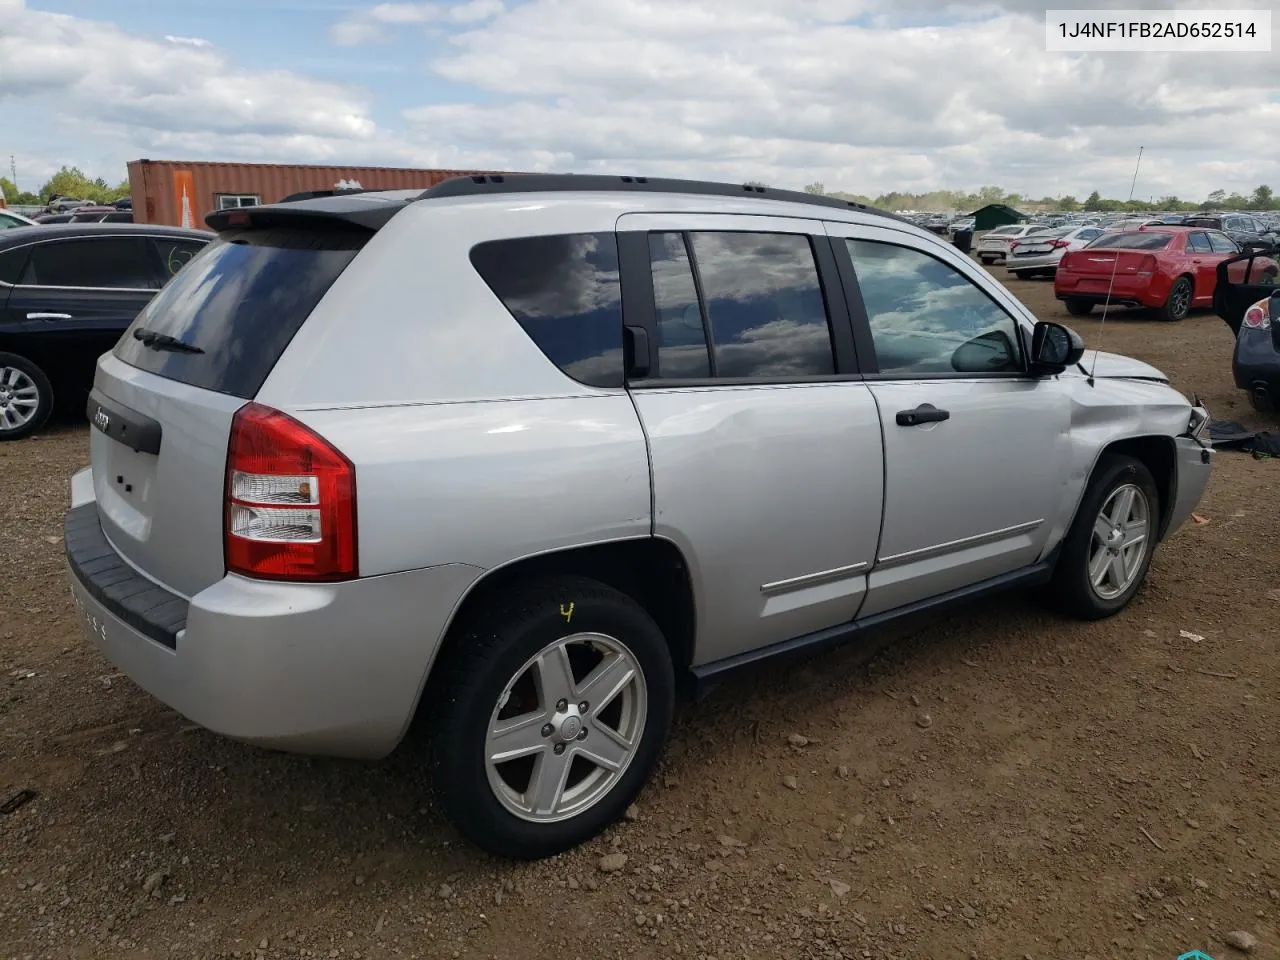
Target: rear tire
<point>987,261</point>
<point>1102,565</point>
<point>1022,274</point>
<point>506,663</point>
<point>1077,307</point>
<point>26,397</point>
<point>1261,402</point>
<point>1178,304</point>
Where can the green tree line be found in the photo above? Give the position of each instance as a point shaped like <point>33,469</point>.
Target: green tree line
<point>1261,199</point>
<point>67,182</point>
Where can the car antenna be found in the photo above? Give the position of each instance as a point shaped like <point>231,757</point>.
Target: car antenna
<point>1114,267</point>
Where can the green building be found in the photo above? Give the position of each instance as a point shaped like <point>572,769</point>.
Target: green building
<point>995,215</point>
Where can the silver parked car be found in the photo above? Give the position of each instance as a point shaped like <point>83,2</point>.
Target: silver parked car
<point>1038,254</point>
<point>994,244</point>
<point>519,456</point>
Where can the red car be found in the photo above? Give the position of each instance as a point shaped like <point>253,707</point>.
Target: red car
<point>1171,269</point>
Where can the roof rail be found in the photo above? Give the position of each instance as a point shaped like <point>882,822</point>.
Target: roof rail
<point>487,184</point>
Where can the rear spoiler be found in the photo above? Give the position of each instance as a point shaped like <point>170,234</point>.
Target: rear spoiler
<point>366,210</point>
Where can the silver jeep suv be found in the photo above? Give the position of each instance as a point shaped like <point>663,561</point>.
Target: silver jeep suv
<point>519,455</point>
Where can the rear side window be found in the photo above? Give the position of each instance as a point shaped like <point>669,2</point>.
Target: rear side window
<point>240,302</point>
<point>565,293</point>
<point>1222,244</point>
<point>1198,242</point>
<point>102,262</point>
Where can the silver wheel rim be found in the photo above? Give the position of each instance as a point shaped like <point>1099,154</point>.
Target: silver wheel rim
<point>19,398</point>
<point>566,728</point>
<point>1121,534</point>
<point>1181,298</point>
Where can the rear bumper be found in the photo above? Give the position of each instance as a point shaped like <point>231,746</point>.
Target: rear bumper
<point>1045,261</point>
<point>332,668</point>
<point>1255,361</point>
<point>1194,465</point>
<point>1127,291</point>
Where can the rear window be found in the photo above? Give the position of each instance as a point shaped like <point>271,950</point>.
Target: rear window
<point>241,300</point>
<point>565,293</point>
<point>1005,231</point>
<point>1132,241</point>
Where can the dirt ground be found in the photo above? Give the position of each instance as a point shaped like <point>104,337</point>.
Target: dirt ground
<point>997,784</point>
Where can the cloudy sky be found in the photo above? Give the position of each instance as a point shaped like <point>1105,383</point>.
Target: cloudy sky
<point>863,95</point>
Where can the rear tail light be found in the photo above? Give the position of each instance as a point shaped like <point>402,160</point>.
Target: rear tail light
<point>1257,317</point>
<point>1148,265</point>
<point>290,501</point>
<point>1059,244</point>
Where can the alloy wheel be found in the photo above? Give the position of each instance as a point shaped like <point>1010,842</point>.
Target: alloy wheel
<point>566,728</point>
<point>1121,538</point>
<point>19,398</point>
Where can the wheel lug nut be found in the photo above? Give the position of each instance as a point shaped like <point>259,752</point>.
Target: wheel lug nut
<point>559,748</point>
<point>562,706</point>
<point>548,729</point>
<point>582,734</point>
<point>583,707</point>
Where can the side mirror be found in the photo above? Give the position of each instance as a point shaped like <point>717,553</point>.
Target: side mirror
<point>1054,348</point>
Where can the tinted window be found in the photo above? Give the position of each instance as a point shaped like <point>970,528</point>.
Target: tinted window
<point>1198,242</point>
<point>1090,234</point>
<point>8,221</point>
<point>564,291</point>
<point>764,302</point>
<point>241,300</point>
<point>121,216</point>
<point>116,262</point>
<point>174,253</point>
<point>1222,244</point>
<point>1005,231</point>
<point>11,264</point>
<point>1131,241</point>
<point>927,317</point>
<point>682,338</point>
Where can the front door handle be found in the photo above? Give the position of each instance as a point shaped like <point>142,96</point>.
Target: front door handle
<point>925,413</point>
<point>48,316</point>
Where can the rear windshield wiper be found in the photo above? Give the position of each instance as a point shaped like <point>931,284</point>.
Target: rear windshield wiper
<point>163,341</point>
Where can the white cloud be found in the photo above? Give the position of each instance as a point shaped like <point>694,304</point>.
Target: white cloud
<point>788,93</point>
<point>91,70</point>
<point>369,25</point>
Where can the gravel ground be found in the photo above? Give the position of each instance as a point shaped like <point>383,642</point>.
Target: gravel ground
<point>998,783</point>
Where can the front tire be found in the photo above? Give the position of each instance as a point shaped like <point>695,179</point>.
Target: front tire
<point>26,397</point>
<point>550,713</point>
<point>1107,552</point>
<point>1178,304</point>
<point>1077,307</point>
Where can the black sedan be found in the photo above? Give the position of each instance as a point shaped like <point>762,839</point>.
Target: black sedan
<point>1240,227</point>
<point>67,292</point>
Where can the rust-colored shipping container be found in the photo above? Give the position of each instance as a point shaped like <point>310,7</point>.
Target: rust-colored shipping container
<point>181,193</point>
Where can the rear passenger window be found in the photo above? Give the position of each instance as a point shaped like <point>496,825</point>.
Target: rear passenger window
<point>1198,242</point>
<point>564,292</point>
<point>761,307</point>
<point>101,262</point>
<point>928,318</point>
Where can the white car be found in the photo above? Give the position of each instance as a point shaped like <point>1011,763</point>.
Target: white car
<point>9,219</point>
<point>1038,255</point>
<point>994,244</point>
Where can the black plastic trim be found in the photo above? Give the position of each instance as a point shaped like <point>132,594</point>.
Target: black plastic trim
<point>704,311</point>
<point>127,595</point>
<point>636,278</point>
<point>490,184</point>
<point>839,322</point>
<point>859,321</point>
<point>709,673</point>
<point>135,430</point>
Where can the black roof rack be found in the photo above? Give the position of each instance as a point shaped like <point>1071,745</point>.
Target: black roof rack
<point>485,184</point>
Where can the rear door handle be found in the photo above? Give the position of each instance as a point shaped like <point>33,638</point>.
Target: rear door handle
<point>925,413</point>
<point>48,316</point>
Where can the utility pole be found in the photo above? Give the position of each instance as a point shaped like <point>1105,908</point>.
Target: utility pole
<point>13,170</point>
